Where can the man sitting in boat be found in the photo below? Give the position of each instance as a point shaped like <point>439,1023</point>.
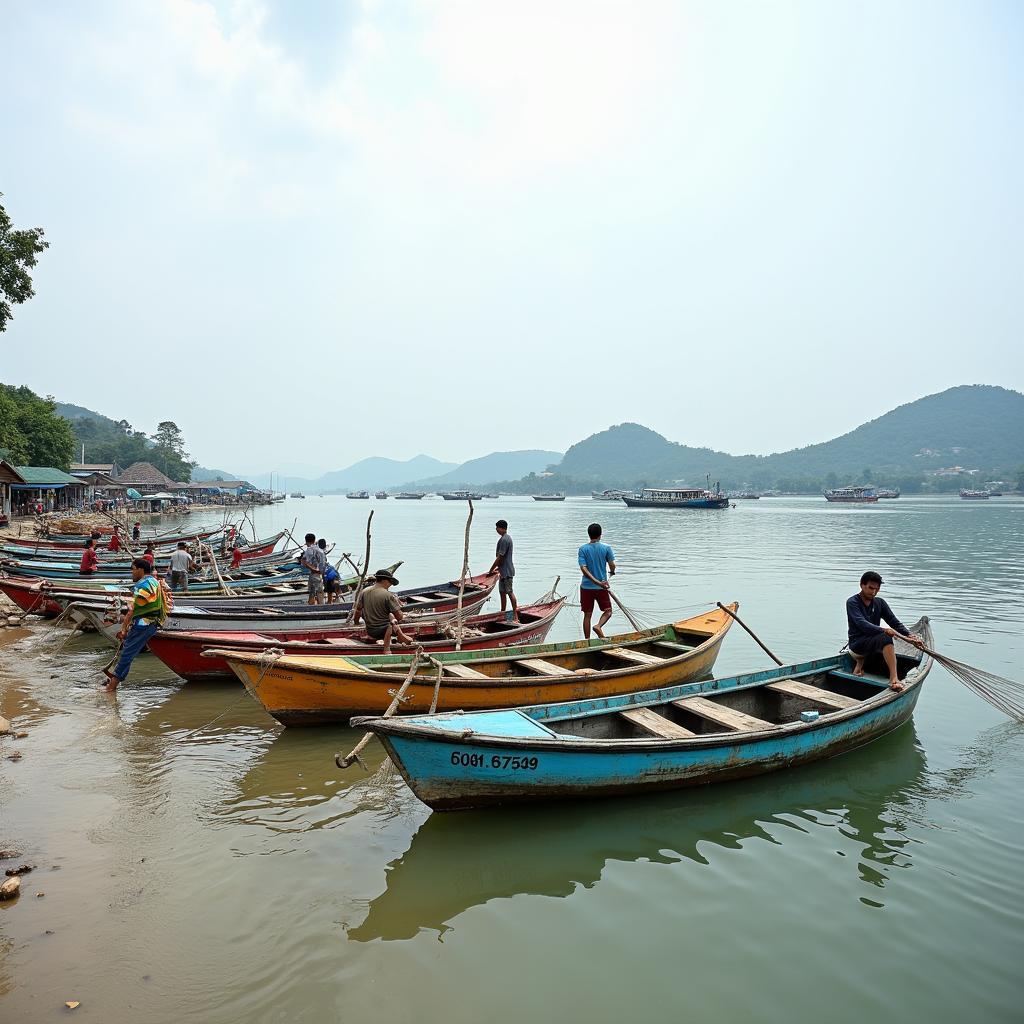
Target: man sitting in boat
<point>867,635</point>
<point>381,610</point>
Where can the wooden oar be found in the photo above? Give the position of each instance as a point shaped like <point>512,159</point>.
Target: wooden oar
<point>757,639</point>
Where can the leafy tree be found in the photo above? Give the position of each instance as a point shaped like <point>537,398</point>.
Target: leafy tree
<point>19,250</point>
<point>169,454</point>
<point>32,430</point>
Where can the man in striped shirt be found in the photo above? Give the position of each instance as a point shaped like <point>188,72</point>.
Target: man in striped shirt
<point>141,621</point>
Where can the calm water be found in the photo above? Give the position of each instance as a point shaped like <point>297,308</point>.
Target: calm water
<point>200,864</point>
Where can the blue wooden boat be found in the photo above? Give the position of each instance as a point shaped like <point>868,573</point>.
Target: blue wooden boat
<point>677,736</point>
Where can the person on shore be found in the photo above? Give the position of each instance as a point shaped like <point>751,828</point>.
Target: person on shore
<point>503,566</point>
<point>136,532</point>
<point>315,561</point>
<point>141,621</point>
<point>864,614</point>
<point>90,561</point>
<point>115,541</point>
<point>597,561</point>
<point>381,610</point>
<point>332,578</point>
<point>182,563</point>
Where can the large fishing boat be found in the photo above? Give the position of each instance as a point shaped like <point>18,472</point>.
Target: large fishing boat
<point>975,495</point>
<point>461,496</point>
<point>549,497</point>
<point>610,495</point>
<point>687,734</point>
<point>852,495</point>
<point>888,492</point>
<point>359,495</point>
<point>677,497</point>
<point>410,495</point>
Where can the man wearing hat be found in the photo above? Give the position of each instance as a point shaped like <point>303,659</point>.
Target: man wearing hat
<point>382,610</point>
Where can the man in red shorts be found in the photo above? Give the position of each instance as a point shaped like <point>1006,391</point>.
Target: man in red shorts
<point>597,562</point>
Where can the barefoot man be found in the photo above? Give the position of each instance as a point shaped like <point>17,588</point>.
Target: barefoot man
<point>867,636</point>
<point>597,560</point>
<point>381,610</point>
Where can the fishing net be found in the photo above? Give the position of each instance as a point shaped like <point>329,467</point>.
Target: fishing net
<point>1003,694</point>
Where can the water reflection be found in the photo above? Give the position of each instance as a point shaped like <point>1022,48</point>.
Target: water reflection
<point>874,797</point>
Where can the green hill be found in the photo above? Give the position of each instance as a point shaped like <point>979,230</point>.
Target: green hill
<point>974,426</point>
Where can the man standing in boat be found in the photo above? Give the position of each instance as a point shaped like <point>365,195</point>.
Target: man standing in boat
<point>502,565</point>
<point>315,561</point>
<point>864,614</point>
<point>597,562</point>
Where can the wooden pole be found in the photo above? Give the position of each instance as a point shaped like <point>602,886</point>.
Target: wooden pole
<point>625,611</point>
<point>353,756</point>
<point>757,640</point>
<point>462,580</point>
<point>362,578</point>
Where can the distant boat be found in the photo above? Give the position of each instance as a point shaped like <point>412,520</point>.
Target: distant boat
<point>975,495</point>
<point>888,492</point>
<point>675,497</point>
<point>381,494</point>
<point>744,495</point>
<point>461,496</point>
<point>296,494</point>
<point>610,495</point>
<point>852,495</point>
<point>410,496</point>
<point>358,494</point>
<point>549,497</point>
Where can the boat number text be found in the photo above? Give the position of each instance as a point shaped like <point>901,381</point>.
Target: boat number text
<point>468,760</point>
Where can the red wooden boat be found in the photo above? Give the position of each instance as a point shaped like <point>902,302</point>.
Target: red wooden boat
<point>182,652</point>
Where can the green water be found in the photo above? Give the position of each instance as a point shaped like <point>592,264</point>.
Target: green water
<point>200,864</point>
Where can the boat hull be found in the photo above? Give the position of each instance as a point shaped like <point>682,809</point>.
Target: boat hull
<point>183,652</point>
<point>690,503</point>
<point>313,694</point>
<point>435,773</point>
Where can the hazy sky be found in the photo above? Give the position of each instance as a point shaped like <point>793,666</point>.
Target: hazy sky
<point>314,231</point>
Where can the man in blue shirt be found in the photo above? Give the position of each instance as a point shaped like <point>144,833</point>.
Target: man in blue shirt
<point>867,635</point>
<point>597,562</point>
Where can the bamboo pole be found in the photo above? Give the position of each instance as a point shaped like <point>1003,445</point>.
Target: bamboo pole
<point>362,578</point>
<point>625,611</point>
<point>757,639</point>
<point>353,756</point>
<point>462,580</point>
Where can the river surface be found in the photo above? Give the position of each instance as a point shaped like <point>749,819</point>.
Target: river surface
<point>202,864</point>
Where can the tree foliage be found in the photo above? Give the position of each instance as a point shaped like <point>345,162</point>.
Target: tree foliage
<point>32,431</point>
<point>19,251</point>
<point>169,454</point>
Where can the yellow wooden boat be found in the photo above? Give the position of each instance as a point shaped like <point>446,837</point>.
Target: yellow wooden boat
<point>314,690</point>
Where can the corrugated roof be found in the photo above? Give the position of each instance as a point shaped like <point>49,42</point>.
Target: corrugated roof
<point>46,475</point>
<point>146,474</point>
<point>91,467</point>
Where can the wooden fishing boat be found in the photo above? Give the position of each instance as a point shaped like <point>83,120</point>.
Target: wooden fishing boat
<point>183,652</point>
<point>548,497</point>
<point>968,495</point>
<point>437,602</point>
<point>381,495</point>
<point>359,495</point>
<point>670,737</point>
<point>888,493</point>
<point>260,548</point>
<point>50,597</point>
<point>76,540</point>
<point>410,495</point>
<point>306,691</point>
<point>117,573</point>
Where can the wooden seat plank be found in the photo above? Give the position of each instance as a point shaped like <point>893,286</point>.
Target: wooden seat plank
<point>866,678</point>
<point>655,724</point>
<point>722,715</point>
<point>636,657</point>
<point>544,668</point>
<point>464,672</point>
<point>793,688</point>
<point>675,648</point>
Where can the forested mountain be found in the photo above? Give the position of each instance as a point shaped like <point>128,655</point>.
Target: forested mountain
<point>973,426</point>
